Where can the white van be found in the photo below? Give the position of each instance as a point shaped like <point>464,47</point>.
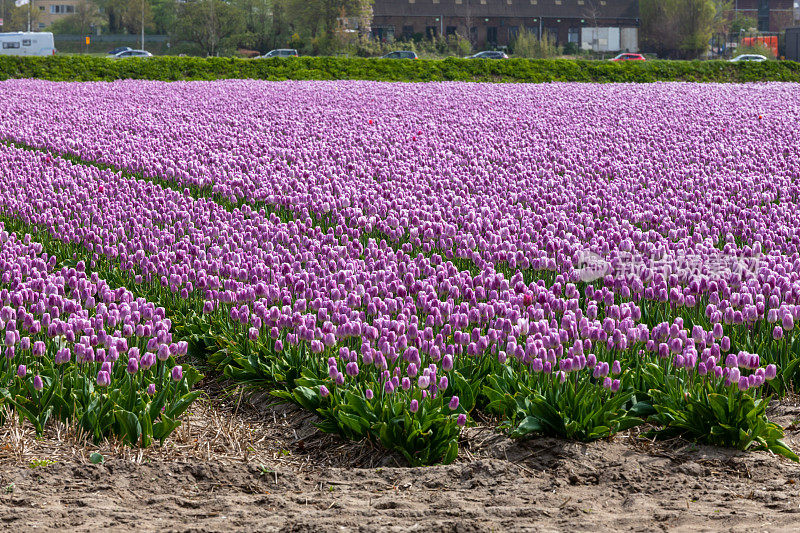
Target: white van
<point>27,44</point>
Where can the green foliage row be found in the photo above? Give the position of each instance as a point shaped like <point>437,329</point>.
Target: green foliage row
<point>76,68</point>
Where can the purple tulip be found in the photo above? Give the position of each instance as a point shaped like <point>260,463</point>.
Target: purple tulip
<point>103,379</point>
<point>461,420</point>
<point>22,371</point>
<point>770,372</point>
<point>413,406</point>
<point>447,363</point>
<point>454,402</point>
<point>323,391</point>
<point>37,382</point>
<point>177,373</point>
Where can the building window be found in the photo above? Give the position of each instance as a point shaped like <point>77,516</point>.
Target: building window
<point>430,32</point>
<point>558,2</point>
<point>42,25</point>
<point>491,34</point>
<point>581,2</point>
<point>408,32</point>
<point>513,31</point>
<point>41,8</point>
<point>435,1</point>
<point>574,35</point>
<point>534,2</point>
<point>450,30</point>
<point>62,9</point>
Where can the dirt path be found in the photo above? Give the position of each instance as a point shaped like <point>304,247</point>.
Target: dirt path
<point>316,483</point>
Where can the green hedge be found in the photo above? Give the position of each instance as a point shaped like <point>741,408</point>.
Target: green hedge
<point>80,68</point>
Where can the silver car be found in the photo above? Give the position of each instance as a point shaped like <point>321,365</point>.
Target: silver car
<point>132,53</point>
<point>748,57</point>
<point>282,52</point>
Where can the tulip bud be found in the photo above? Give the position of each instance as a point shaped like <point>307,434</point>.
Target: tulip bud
<point>103,379</point>
<point>743,383</point>
<point>461,420</point>
<point>177,373</point>
<point>151,389</point>
<point>770,372</point>
<point>447,363</point>
<point>323,391</point>
<point>368,394</point>
<point>454,401</point>
<point>37,383</point>
<point>22,371</point>
<point>414,406</point>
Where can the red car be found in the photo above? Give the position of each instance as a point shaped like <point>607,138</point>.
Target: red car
<point>628,57</point>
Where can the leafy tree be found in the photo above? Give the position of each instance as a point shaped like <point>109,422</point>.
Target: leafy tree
<point>678,29</point>
<point>211,25</point>
<point>318,17</point>
<point>86,15</point>
<point>131,12</point>
<point>165,12</point>
<point>257,31</point>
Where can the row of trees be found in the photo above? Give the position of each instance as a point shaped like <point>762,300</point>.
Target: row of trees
<point>211,26</point>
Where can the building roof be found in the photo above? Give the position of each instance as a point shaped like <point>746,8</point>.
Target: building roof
<point>576,9</point>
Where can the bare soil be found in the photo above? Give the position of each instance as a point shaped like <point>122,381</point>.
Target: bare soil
<point>244,466</point>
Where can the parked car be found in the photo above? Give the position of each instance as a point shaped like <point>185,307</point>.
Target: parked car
<point>119,49</point>
<point>127,54</point>
<point>282,52</point>
<point>400,54</point>
<point>748,57</point>
<point>488,54</point>
<point>628,57</point>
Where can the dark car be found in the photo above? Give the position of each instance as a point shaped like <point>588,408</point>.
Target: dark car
<point>118,50</point>
<point>400,54</point>
<point>488,54</point>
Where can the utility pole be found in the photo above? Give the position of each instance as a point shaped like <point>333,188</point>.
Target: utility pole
<point>213,28</point>
<point>142,25</point>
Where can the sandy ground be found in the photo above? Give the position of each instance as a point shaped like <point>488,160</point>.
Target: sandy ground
<point>236,466</point>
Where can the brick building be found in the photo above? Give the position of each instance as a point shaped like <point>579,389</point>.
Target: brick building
<point>771,15</point>
<point>603,25</point>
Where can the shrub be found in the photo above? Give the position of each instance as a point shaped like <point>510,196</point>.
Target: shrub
<point>82,68</point>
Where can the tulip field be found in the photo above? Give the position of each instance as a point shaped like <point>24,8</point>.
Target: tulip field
<point>567,260</point>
